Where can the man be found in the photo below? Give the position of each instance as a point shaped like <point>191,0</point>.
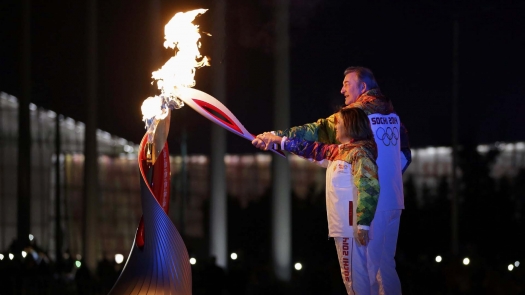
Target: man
<point>360,90</point>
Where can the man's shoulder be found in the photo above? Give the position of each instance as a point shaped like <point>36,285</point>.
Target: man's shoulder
<point>373,102</point>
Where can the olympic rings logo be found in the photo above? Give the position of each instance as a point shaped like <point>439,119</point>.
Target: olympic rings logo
<point>389,136</point>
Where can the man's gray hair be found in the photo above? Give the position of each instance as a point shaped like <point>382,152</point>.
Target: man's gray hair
<point>364,75</point>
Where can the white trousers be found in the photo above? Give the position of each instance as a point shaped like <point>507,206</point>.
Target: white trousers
<point>352,260</point>
<point>381,251</point>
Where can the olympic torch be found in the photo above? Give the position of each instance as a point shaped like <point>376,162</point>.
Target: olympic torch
<point>215,111</point>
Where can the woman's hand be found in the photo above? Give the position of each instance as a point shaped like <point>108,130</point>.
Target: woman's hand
<point>362,237</point>
<point>258,143</point>
<point>265,141</point>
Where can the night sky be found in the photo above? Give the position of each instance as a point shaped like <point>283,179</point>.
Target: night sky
<point>408,46</point>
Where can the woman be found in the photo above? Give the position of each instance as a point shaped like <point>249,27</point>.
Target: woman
<point>352,189</point>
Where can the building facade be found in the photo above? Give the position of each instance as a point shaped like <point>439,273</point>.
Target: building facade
<point>248,179</point>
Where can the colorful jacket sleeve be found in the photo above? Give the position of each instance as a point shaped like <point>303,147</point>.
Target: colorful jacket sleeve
<point>364,172</point>
<point>322,131</point>
<point>312,150</point>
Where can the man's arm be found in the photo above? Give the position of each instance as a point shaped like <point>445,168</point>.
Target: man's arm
<point>323,131</point>
<point>406,153</point>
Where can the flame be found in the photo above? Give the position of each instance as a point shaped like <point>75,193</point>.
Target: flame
<point>183,36</point>
<point>151,108</point>
<point>179,71</point>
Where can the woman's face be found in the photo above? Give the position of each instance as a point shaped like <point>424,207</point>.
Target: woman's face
<point>340,132</point>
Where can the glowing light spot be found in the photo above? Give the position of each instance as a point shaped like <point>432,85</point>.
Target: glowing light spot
<point>24,254</point>
<point>1,256</point>
<point>11,256</point>
<point>193,261</point>
<point>510,267</point>
<point>31,237</point>
<point>517,263</point>
<point>298,266</point>
<point>51,114</point>
<point>233,256</point>
<point>439,258</point>
<point>152,107</point>
<point>466,261</point>
<point>482,148</point>
<point>119,258</point>
<point>78,264</point>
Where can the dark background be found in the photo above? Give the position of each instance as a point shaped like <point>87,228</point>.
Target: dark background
<point>409,47</point>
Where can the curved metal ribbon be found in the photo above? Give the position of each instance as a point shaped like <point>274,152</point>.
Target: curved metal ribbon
<point>161,265</point>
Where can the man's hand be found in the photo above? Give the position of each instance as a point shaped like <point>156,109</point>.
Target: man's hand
<point>362,237</point>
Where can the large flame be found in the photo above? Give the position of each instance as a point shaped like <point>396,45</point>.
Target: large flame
<point>183,36</point>
<point>179,71</point>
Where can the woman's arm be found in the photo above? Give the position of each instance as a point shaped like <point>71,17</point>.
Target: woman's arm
<point>311,150</point>
<point>364,171</point>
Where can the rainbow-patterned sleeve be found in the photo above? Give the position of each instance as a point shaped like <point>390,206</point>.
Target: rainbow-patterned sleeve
<point>312,150</point>
<point>364,172</point>
<point>323,130</point>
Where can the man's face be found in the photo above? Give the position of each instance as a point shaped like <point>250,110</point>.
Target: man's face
<point>352,88</point>
<point>341,134</point>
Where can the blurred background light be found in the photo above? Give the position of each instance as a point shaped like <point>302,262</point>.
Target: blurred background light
<point>79,257</point>
<point>24,254</point>
<point>517,263</point>
<point>298,266</point>
<point>11,256</point>
<point>1,256</point>
<point>31,237</point>
<point>510,267</point>
<point>193,261</point>
<point>233,256</point>
<point>438,258</point>
<point>119,258</point>
<point>466,261</point>
<point>78,263</point>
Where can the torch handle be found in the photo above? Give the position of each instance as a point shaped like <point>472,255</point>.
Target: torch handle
<point>215,111</point>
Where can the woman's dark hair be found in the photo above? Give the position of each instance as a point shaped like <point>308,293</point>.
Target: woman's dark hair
<point>356,123</point>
